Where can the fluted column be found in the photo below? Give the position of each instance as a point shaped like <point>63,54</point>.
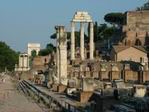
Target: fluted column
<point>82,41</point>
<point>72,41</point>
<point>91,40</point>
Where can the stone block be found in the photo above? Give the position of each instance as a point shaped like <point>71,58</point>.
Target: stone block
<point>115,68</point>
<point>130,75</point>
<point>55,87</point>
<point>87,84</point>
<point>141,34</point>
<point>127,67</point>
<point>130,34</point>
<point>145,76</point>
<point>140,90</point>
<point>104,75</point>
<point>61,88</point>
<point>71,83</point>
<point>95,74</point>
<point>115,75</point>
<point>85,96</point>
<point>87,74</point>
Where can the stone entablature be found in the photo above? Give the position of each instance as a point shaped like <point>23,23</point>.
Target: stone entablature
<point>82,17</point>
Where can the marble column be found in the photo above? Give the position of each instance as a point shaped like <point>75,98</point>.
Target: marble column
<point>57,51</point>
<point>28,62</point>
<point>91,40</point>
<point>20,61</point>
<point>72,41</point>
<point>25,61</point>
<point>63,55</point>
<point>82,41</point>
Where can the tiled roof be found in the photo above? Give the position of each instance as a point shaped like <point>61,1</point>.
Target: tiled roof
<point>120,48</point>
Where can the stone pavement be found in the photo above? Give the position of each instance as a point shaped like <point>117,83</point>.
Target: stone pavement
<point>13,101</point>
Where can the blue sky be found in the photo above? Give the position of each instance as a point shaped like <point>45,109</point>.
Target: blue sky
<point>23,21</point>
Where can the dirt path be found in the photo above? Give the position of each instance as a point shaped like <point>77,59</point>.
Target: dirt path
<point>12,101</point>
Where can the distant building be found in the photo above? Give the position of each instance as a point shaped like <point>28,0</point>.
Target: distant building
<point>129,53</point>
<point>23,63</point>
<point>136,30</point>
<point>33,46</point>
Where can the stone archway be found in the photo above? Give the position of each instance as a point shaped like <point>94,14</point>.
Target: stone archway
<point>33,47</point>
<point>138,42</point>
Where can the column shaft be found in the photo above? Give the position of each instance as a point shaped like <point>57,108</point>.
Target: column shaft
<point>91,41</point>
<point>63,56</point>
<point>57,53</point>
<point>82,41</point>
<point>73,41</point>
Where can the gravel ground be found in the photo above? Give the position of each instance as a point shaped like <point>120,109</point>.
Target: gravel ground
<point>13,101</point>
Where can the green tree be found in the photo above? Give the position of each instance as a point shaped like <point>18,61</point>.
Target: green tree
<point>8,57</point>
<point>33,53</point>
<point>49,49</point>
<point>77,38</point>
<point>103,31</point>
<point>115,18</point>
<point>108,32</point>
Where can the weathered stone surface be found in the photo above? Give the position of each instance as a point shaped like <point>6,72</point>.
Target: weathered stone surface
<point>87,84</point>
<point>139,91</point>
<point>55,87</point>
<point>137,27</point>
<point>85,96</point>
<point>62,55</point>
<point>61,88</point>
<point>13,101</point>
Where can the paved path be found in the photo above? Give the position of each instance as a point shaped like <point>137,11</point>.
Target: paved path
<point>13,101</point>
